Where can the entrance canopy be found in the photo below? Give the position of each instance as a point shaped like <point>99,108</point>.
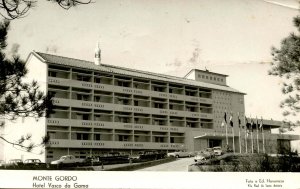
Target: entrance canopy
<point>212,136</point>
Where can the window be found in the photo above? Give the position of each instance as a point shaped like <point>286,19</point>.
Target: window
<point>136,103</point>
<point>171,106</point>
<point>85,117</point>
<point>82,97</point>
<point>97,98</point>
<point>82,78</point>
<point>159,139</point>
<point>172,140</point>
<point>97,117</point>
<point>97,137</point>
<point>136,120</point>
<point>124,119</point>
<point>97,80</point>
<point>123,83</point>
<point>52,74</point>
<point>123,138</point>
<point>82,136</point>
<point>159,89</point>
<point>158,105</point>
<point>52,93</point>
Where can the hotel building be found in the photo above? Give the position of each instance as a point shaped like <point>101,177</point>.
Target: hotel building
<point>101,108</point>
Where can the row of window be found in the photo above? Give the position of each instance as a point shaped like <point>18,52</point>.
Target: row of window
<point>154,137</point>
<point>213,78</point>
<point>132,82</point>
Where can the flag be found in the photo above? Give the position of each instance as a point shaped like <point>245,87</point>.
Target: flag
<point>225,117</point>
<point>239,120</point>
<point>230,120</point>
<point>247,123</point>
<point>251,125</point>
<point>261,124</point>
<point>257,124</point>
<point>222,124</point>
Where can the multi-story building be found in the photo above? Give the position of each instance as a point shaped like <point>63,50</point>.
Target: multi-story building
<point>101,108</point>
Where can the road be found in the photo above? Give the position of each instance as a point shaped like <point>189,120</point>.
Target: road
<point>180,165</point>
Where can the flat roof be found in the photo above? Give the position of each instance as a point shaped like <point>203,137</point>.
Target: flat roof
<point>65,61</point>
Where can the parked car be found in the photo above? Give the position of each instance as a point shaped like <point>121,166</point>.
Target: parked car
<point>218,150</point>
<point>67,160</point>
<point>113,157</point>
<point>34,163</point>
<point>179,154</point>
<point>14,163</point>
<point>209,153</point>
<point>92,160</point>
<point>148,155</point>
<point>200,157</point>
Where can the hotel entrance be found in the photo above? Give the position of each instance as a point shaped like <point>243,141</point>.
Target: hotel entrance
<point>214,142</point>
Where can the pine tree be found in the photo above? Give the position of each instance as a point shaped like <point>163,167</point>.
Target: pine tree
<point>286,64</point>
<point>12,9</point>
<point>18,98</point>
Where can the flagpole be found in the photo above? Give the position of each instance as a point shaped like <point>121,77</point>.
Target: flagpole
<point>240,142</point>
<point>252,141</point>
<point>263,134</point>
<point>257,135</point>
<point>231,124</point>
<point>246,138</point>
<point>226,134</point>
<point>233,146</point>
<point>251,135</point>
<point>263,137</point>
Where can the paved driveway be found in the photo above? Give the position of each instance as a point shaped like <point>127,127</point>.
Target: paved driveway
<point>180,165</point>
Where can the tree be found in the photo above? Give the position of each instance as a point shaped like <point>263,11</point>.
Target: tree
<point>18,98</point>
<point>286,65</point>
<point>13,9</point>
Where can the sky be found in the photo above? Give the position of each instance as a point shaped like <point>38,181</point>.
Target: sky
<point>232,37</point>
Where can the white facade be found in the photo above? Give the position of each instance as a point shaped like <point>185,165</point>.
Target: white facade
<point>101,108</point>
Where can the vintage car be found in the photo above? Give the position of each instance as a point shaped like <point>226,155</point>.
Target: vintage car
<point>180,154</point>
<point>148,155</point>
<point>14,163</point>
<point>200,157</point>
<point>218,150</point>
<point>34,163</point>
<point>91,160</point>
<point>209,152</point>
<point>113,158</point>
<point>67,160</point>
